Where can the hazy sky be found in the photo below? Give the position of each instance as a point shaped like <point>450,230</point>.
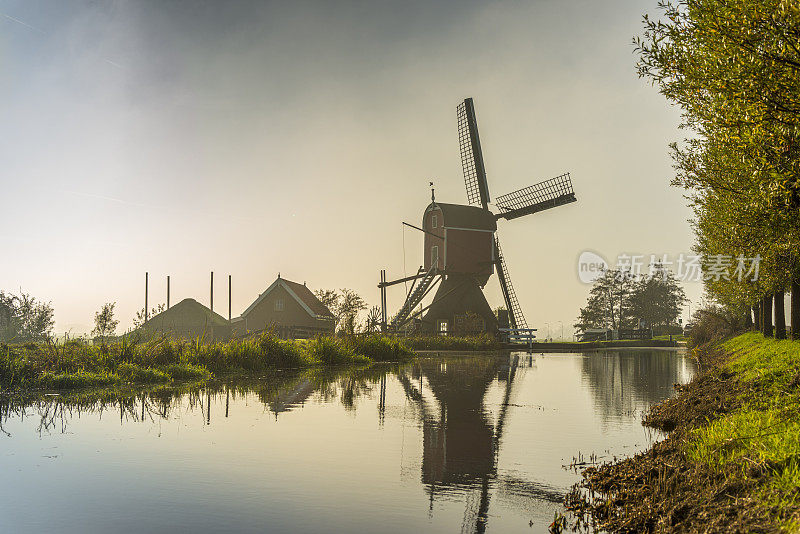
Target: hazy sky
<point>251,138</point>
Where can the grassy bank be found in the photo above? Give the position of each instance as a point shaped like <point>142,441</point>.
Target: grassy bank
<point>467,343</point>
<point>76,364</point>
<point>731,461</point>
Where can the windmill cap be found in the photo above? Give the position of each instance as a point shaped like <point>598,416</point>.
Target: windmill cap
<point>461,216</point>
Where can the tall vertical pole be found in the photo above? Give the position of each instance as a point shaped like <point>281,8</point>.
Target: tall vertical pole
<point>383,300</point>
<point>229,298</point>
<point>167,291</point>
<point>212,291</point>
<point>146,279</point>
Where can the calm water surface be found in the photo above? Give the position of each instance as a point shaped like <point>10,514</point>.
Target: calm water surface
<point>448,444</point>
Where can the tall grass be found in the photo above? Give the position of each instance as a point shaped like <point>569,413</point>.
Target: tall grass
<point>381,348</point>
<point>163,359</point>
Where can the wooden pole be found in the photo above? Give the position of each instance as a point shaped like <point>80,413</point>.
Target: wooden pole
<point>167,291</point>
<point>146,279</point>
<point>212,291</point>
<point>383,300</point>
<point>780,316</point>
<point>229,298</point>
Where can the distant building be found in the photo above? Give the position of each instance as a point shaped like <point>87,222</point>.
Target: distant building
<point>288,308</point>
<point>188,319</point>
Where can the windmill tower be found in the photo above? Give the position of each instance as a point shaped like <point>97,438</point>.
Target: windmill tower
<point>462,251</point>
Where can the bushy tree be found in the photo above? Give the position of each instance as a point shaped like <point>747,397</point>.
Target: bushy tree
<point>349,307</point>
<point>733,67</point>
<point>23,318</point>
<point>619,299</point>
<point>104,323</point>
<point>608,303</point>
<point>656,300</point>
<point>345,305</point>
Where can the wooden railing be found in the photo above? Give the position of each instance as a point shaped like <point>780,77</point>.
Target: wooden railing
<point>518,335</point>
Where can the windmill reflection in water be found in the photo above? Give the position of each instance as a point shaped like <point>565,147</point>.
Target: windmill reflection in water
<point>460,441</point>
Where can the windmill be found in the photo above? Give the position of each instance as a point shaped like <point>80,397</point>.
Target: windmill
<point>462,250</point>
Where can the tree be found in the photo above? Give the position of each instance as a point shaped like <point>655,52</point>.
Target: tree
<point>608,303</point>
<point>349,306</point>
<point>328,297</point>
<point>658,299</point>
<point>345,306</point>
<point>139,320</point>
<point>733,66</point>
<point>104,323</point>
<point>23,318</point>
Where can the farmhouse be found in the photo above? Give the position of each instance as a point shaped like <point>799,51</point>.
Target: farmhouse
<point>290,309</point>
<point>188,319</point>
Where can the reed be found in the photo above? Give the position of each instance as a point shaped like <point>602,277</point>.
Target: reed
<point>163,359</point>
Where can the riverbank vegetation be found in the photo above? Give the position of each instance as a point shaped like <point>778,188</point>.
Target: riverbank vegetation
<point>77,364</point>
<point>731,460</point>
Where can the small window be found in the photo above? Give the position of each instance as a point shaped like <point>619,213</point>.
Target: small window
<point>442,328</point>
<point>434,221</point>
<point>278,304</point>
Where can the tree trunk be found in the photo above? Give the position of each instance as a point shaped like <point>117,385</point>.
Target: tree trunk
<point>766,312</point>
<point>795,309</point>
<point>757,316</point>
<point>780,316</point>
<point>748,319</point>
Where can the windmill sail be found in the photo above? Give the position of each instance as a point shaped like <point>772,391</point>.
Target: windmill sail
<point>515,315</point>
<point>539,197</point>
<point>471,156</point>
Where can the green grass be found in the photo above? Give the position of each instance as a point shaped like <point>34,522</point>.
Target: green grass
<point>381,348</point>
<point>765,432</point>
<point>675,337</point>
<point>477,342</point>
<point>161,360</point>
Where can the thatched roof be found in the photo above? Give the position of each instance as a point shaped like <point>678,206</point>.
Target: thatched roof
<point>188,318</point>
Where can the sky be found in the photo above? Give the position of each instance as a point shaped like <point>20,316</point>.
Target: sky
<point>254,138</point>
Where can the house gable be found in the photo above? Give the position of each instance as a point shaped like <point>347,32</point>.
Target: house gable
<point>281,306</point>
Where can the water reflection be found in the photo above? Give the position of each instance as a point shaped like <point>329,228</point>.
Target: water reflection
<point>627,382</point>
<point>461,442</point>
<point>467,411</point>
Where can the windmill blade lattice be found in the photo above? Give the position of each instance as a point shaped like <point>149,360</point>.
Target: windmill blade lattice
<point>538,197</point>
<point>469,145</point>
<point>513,306</point>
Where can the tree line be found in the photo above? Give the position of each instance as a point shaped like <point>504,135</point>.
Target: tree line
<point>622,299</point>
<point>733,69</point>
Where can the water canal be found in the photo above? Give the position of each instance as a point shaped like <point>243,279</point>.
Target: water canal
<point>456,443</point>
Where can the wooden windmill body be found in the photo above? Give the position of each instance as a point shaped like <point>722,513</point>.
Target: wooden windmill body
<point>462,251</point>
